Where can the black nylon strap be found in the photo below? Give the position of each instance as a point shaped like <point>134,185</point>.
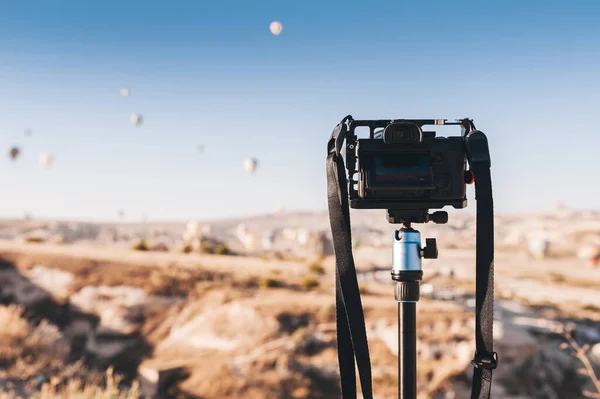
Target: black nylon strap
<point>485,358</point>
<point>350,321</point>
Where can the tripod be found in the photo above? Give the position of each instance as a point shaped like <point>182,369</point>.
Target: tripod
<point>406,274</point>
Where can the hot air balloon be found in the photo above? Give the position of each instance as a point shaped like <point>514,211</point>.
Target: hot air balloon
<point>590,254</point>
<point>14,152</point>
<point>267,240</point>
<point>200,148</point>
<point>251,164</point>
<point>539,247</point>
<point>276,28</point>
<point>47,160</point>
<point>121,214</point>
<point>135,119</point>
<point>124,92</point>
<point>28,132</point>
<point>303,236</point>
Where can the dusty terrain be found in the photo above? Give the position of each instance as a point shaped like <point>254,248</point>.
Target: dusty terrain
<point>259,323</point>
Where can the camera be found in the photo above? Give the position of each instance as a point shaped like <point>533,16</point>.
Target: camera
<point>405,169</point>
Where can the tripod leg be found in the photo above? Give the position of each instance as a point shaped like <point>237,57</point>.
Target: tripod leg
<point>407,350</point>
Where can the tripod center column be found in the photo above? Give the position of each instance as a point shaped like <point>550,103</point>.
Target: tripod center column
<point>406,273</point>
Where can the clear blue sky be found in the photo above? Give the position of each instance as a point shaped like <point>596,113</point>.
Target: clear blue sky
<point>211,73</point>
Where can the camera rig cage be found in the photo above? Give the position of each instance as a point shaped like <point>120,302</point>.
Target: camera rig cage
<point>412,202</point>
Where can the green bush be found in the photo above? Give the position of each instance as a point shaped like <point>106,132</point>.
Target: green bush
<point>315,267</point>
<point>186,249</point>
<point>207,248</point>
<point>222,249</point>
<point>270,283</point>
<point>308,283</point>
<point>140,246</point>
<point>210,247</point>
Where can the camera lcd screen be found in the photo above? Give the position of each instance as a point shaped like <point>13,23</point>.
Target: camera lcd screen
<point>400,170</point>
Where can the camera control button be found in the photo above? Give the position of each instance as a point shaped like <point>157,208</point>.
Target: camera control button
<point>441,181</point>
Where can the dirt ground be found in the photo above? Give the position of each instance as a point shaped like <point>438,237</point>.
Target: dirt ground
<point>258,328</point>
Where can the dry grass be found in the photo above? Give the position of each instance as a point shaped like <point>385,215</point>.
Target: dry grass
<point>580,352</point>
<point>76,390</point>
<point>27,351</point>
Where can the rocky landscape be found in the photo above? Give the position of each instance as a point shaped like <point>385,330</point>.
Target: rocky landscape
<point>245,308</point>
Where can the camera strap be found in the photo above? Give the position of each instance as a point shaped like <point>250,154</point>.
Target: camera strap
<point>485,359</point>
<point>352,341</point>
<point>350,320</point>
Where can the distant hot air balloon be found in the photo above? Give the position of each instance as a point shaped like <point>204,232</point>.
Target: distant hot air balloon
<point>124,92</point>
<point>539,247</point>
<point>200,148</point>
<point>251,164</point>
<point>14,152</point>
<point>267,240</point>
<point>135,119</point>
<point>28,132</point>
<point>302,236</point>
<point>47,160</point>
<point>276,28</point>
<point>121,214</point>
<point>590,254</point>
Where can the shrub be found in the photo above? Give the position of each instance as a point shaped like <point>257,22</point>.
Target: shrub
<point>222,249</point>
<point>315,267</point>
<point>140,246</point>
<point>186,249</point>
<point>363,289</point>
<point>35,240</point>
<point>308,283</point>
<point>270,283</point>
<point>210,247</point>
<point>206,248</point>
<point>327,313</point>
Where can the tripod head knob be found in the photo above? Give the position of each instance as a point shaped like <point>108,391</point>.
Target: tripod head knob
<point>430,250</point>
<point>439,217</point>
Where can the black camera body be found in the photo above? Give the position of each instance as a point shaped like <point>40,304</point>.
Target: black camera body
<point>405,169</point>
